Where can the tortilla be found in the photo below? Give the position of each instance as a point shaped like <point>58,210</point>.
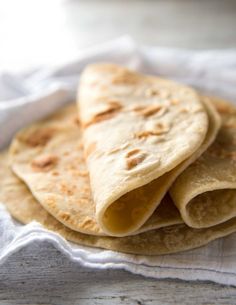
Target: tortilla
<point>24,207</point>
<point>48,156</point>
<point>205,193</point>
<point>136,128</point>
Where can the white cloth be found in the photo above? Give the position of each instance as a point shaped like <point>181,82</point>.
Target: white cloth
<point>30,96</point>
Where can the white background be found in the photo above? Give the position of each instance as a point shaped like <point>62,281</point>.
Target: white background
<point>35,32</point>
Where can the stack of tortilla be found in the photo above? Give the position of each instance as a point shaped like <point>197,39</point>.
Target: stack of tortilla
<point>140,165</point>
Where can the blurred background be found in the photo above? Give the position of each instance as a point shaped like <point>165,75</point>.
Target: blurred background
<point>48,32</point>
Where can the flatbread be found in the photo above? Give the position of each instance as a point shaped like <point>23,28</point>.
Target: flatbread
<point>164,183</point>
<point>48,156</point>
<point>136,128</point>
<point>205,193</point>
<point>24,207</point>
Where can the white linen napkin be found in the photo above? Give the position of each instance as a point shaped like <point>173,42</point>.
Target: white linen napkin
<point>28,97</point>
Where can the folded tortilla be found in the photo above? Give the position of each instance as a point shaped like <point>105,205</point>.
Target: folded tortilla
<point>49,157</point>
<point>24,207</point>
<point>136,129</point>
<point>205,193</point>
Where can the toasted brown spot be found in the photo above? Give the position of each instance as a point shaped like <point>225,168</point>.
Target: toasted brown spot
<point>66,190</point>
<point>132,162</point>
<point>79,159</point>
<point>114,104</point>
<point>88,223</point>
<point>147,133</point>
<point>83,173</point>
<point>104,115</point>
<point>50,201</point>
<point>114,150</point>
<point>147,111</point>
<point>80,145</point>
<point>85,196</point>
<point>222,108</point>
<point>174,102</point>
<point>152,92</point>
<point>71,167</point>
<point>229,125</point>
<point>44,162</point>
<point>157,92</point>
<point>90,149</point>
<point>232,155</point>
<point>85,190</point>
<point>132,152</point>
<point>126,78</point>
<point>159,130</point>
<point>65,216</point>
<point>39,137</point>
<point>77,121</point>
<point>66,153</point>
<point>160,126</point>
<point>183,110</point>
<point>55,173</point>
<point>216,150</point>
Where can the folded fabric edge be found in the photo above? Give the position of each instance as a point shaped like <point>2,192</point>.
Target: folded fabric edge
<point>34,232</point>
